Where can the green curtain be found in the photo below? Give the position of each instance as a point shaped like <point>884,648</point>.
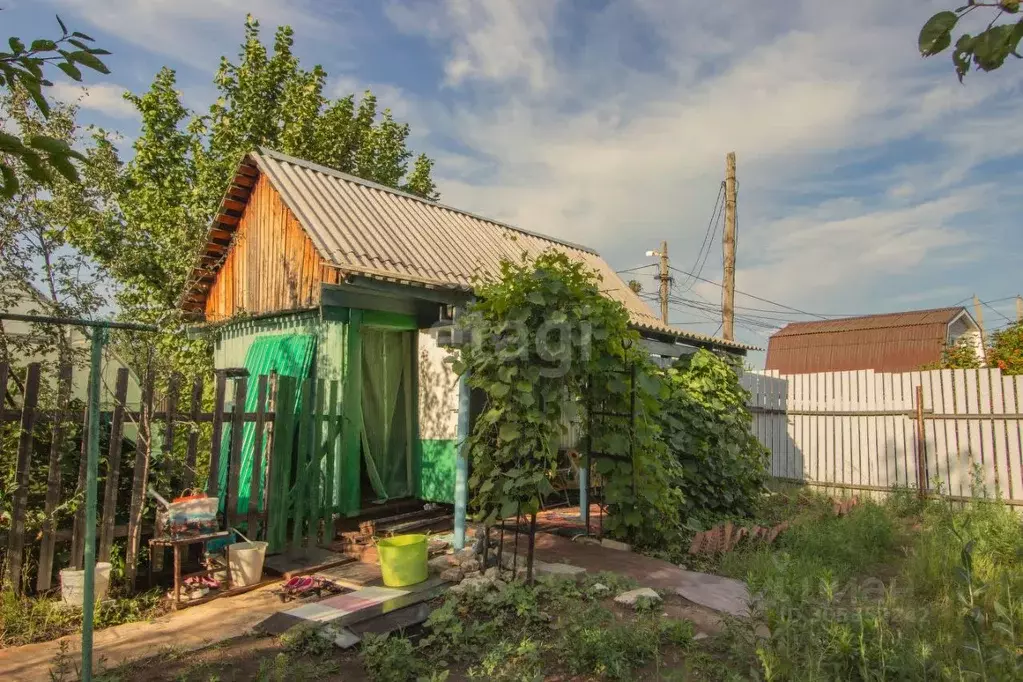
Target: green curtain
<point>289,355</point>
<point>386,411</point>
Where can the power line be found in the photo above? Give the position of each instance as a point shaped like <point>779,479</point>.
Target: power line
<point>638,267</point>
<point>996,311</point>
<point>708,237</point>
<point>775,303</point>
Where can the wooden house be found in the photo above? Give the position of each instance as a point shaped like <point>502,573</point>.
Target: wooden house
<point>311,272</point>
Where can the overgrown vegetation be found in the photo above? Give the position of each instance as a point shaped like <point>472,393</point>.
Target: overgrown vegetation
<point>900,591</point>
<point>1004,351</point>
<point>545,344</point>
<point>24,620</point>
<point>706,426</point>
<point>523,633</point>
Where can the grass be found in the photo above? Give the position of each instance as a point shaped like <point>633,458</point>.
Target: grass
<point>24,620</point>
<point>903,590</point>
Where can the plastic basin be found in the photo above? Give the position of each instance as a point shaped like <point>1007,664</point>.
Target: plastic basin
<point>245,560</point>
<point>72,584</point>
<point>403,560</point>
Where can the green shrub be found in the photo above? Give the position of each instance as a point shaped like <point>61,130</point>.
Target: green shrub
<point>706,425</point>
<point>24,620</point>
<point>391,658</point>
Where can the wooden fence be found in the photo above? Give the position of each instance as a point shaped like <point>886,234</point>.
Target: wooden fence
<point>873,431</point>
<point>44,435</point>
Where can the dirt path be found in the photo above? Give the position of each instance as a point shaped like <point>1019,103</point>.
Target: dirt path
<point>188,629</point>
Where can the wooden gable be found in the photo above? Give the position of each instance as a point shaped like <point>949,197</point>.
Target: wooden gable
<point>271,264</point>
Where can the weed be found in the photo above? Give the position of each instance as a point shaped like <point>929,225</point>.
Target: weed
<point>391,658</point>
<point>306,640</point>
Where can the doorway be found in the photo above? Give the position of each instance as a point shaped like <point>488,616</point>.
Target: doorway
<point>386,437</point>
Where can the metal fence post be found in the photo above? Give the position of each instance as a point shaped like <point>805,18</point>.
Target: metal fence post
<point>92,464</point>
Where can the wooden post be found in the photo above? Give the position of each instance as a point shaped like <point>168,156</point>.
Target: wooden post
<point>921,444</point>
<point>106,535</point>
<point>234,462</point>
<point>143,452</point>
<point>1019,308</point>
<point>213,480</point>
<point>45,575</point>
<point>728,249</point>
<point>78,534</point>
<point>188,479</point>
<point>257,457</point>
<point>16,539</point>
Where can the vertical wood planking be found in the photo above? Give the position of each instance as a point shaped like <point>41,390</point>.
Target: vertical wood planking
<point>301,462</point>
<point>938,456</point>
<point>910,382</point>
<point>143,456</point>
<point>862,448</point>
<point>987,446</point>
<point>333,424</point>
<point>999,436</point>
<point>778,392</point>
<point>44,576</point>
<point>1013,405</point>
<point>829,427</point>
<point>234,461</point>
<point>78,531</point>
<point>216,444</point>
<point>5,371</point>
<point>316,464</point>
<point>793,471</point>
<point>192,447</point>
<point>22,479</point>
<point>256,481</point>
<point>173,389</point>
<point>113,471</point>
<point>280,462</point>
<point>880,461</point>
<point>951,428</point>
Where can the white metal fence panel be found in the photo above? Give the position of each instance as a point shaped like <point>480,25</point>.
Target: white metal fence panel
<point>861,429</point>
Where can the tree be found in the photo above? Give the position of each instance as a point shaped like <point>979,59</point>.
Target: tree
<point>988,49</point>
<point>1006,351</point>
<point>37,266</point>
<point>959,355</point>
<point>170,190</point>
<point>36,156</point>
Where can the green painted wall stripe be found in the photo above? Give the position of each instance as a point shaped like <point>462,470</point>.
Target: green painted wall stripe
<point>437,470</point>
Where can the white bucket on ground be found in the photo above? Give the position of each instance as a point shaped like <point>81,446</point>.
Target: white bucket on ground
<point>72,584</point>
<point>245,560</point>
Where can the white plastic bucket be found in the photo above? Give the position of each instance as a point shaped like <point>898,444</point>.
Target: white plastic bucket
<point>245,560</point>
<point>72,584</point>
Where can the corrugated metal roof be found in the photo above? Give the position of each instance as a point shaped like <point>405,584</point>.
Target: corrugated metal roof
<point>365,228</point>
<point>893,342</point>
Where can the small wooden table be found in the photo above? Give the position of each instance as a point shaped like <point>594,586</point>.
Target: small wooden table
<point>177,544</point>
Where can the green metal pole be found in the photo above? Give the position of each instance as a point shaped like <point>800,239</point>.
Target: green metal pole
<point>91,467</point>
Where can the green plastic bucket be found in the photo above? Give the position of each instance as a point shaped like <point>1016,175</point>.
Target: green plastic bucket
<point>403,560</point>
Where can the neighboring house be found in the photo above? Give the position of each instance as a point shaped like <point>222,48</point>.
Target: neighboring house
<point>311,272</point>
<point>893,342</point>
<point>34,303</point>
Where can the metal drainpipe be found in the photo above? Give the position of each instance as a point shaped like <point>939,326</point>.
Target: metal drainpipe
<point>462,461</point>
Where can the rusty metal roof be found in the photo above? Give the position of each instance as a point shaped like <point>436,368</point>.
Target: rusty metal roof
<point>891,342</point>
<point>365,228</point>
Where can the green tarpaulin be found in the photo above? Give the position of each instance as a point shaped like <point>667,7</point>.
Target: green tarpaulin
<point>288,355</point>
<point>386,411</point>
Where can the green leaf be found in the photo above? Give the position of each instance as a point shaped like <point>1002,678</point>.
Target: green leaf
<point>8,181</point>
<point>48,144</point>
<point>79,34</point>
<point>509,432</point>
<point>17,47</point>
<point>63,28</point>
<point>536,297</point>
<point>936,34</point>
<point>499,390</point>
<point>991,47</point>
<point>43,45</point>
<point>89,60</point>
<point>11,143</point>
<point>508,509</point>
<point>71,70</point>
<point>63,166</point>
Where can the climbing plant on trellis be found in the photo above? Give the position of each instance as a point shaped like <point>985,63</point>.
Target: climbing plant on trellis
<point>543,336</point>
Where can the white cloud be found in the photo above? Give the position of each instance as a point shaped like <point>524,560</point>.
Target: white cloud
<point>106,98</point>
<point>619,157</point>
<point>197,32</point>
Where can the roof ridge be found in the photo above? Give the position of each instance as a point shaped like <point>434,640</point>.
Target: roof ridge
<point>865,317</point>
<point>348,177</point>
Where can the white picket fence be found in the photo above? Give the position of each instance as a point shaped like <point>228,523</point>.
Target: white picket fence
<point>861,430</point>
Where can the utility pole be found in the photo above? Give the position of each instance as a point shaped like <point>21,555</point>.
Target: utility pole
<point>1019,308</point>
<point>728,248</point>
<point>665,276</point>
<point>979,312</point>
<point>665,282</point>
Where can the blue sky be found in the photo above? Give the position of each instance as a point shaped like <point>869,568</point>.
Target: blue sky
<point>870,180</point>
